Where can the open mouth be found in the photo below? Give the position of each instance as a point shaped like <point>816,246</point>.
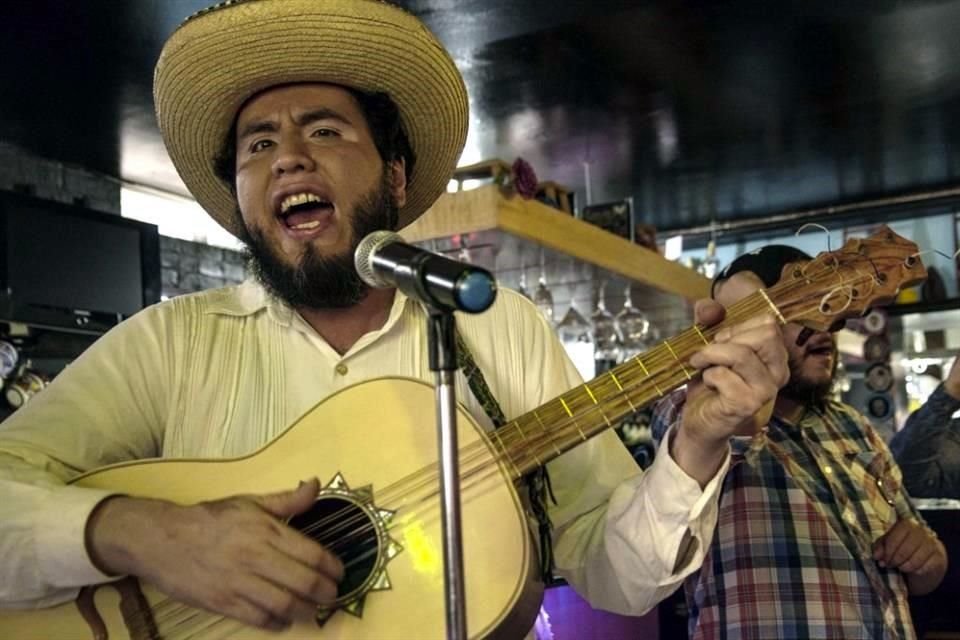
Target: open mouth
<point>304,211</point>
<point>821,350</point>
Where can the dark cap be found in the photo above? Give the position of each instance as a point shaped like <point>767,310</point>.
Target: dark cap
<point>766,263</point>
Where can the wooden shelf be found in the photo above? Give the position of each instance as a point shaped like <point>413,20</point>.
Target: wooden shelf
<point>486,208</point>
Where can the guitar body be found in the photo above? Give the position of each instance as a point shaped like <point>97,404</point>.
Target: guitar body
<point>376,433</point>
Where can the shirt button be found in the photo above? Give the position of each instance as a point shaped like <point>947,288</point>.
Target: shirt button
<point>849,517</point>
<point>888,617</point>
<point>342,369</point>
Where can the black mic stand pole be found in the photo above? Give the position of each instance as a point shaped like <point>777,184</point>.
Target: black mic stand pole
<point>442,285</point>
<point>442,339</point>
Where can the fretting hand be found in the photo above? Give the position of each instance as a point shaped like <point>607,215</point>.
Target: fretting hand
<point>742,372</point>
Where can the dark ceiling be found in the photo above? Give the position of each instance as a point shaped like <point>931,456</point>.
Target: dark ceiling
<point>702,110</point>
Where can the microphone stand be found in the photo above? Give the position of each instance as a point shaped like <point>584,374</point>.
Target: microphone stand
<point>383,259</point>
<point>442,340</point>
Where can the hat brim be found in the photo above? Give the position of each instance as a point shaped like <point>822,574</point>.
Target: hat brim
<point>221,57</point>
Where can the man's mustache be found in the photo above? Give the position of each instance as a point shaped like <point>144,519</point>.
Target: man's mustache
<point>806,332</point>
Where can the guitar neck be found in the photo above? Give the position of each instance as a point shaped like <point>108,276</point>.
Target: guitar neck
<point>550,430</point>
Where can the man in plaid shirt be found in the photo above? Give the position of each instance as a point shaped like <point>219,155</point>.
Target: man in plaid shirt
<point>816,538</point>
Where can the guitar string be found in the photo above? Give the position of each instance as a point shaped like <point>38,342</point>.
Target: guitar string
<point>761,304</point>
<point>215,623</point>
<point>550,436</point>
<point>575,438</point>
<point>160,609</point>
<point>206,624</point>
<point>511,435</point>
<point>533,444</point>
<point>652,360</point>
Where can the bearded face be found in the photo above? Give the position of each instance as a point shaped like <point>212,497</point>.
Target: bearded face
<point>812,357</point>
<point>317,280</point>
<point>812,363</point>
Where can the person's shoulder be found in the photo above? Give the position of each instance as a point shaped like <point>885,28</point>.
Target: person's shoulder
<point>512,327</point>
<point>514,308</point>
<point>852,419</point>
<point>511,301</point>
<point>234,300</point>
<point>846,410</point>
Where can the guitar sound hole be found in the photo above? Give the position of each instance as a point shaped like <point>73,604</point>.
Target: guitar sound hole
<point>348,531</point>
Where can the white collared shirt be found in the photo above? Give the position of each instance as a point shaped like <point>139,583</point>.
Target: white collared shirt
<point>220,373</point>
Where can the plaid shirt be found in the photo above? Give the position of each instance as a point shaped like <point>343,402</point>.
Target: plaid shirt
<point>792,554</point>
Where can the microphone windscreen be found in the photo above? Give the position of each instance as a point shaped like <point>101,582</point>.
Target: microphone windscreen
<point>363,256</point>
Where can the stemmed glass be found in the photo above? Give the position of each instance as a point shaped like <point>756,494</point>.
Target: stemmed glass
<point>522,285</point>
<point>633,327</point>
<point>605,339</point>
<point>711,264</point>
<point>542,297</point>
<point>464,253</point>
<point>573,327</point>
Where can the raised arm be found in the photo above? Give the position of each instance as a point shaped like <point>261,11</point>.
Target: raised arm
<point>921,446</point>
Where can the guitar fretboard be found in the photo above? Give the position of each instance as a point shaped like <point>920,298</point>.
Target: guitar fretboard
<point>541,435</point>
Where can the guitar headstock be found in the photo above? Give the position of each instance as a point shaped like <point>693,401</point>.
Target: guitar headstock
<point>864,273</point>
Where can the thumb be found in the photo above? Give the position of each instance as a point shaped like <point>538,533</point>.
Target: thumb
<point>289,503</point>
<point>879,548</point>
<point>708,312</point>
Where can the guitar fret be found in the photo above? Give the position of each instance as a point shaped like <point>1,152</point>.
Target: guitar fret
<point>700,333</point>
<point>590,393</point>
<point>506,456</point>
<point>645,371</point>
<point>666,343</point>
<point>626,396</point>
<point>773,306</point>
<point>615,381</point>
<point>536,458</point>
<point>544,427</point>
<point>575,423</point>
<point>525,439</point>
<point>599,406</point>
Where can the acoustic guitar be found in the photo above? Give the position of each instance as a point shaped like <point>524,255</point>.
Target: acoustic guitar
<point>380,510</point>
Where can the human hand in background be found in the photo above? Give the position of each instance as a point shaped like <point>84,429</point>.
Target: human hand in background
<point>916,552</point>
<point>952,383</point>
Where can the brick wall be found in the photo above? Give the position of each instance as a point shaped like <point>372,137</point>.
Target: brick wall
<point>193,266</point>
<point>52,180</point>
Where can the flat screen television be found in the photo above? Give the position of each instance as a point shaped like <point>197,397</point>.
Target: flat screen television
<point>68,267</point>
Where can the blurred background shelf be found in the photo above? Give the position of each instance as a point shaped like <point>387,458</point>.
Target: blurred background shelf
<point>488,209</point>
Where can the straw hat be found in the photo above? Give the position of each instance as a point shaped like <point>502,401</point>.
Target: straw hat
<point>221,56</point>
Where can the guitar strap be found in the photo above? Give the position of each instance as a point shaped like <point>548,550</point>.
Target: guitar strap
<point>537,481</point>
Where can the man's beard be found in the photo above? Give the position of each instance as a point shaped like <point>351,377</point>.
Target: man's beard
<point>807,392</point>
<point>317,281</point>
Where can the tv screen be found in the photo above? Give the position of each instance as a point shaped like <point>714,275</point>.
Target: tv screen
<point>70,267</point>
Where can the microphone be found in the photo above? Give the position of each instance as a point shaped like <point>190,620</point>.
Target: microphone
<point>383,259</point>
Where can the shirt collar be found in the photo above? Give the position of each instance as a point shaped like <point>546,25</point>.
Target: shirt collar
<point>250,298</point>
<point>244,299</point>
